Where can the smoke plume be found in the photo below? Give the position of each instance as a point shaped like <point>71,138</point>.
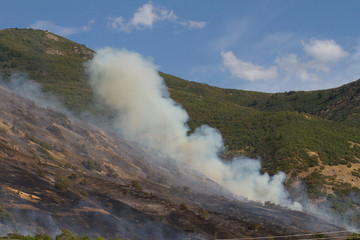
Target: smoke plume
<point>131,85</point>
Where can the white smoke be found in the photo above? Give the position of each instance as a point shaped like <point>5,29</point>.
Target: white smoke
<point>21,85</point>
<point>130,84</point>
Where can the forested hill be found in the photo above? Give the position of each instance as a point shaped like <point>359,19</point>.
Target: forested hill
<point>301,133</point>
<point>340,104</point>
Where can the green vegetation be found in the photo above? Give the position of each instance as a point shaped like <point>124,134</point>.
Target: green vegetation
<point>356,173</point>
<point>111,172</point>
<point>55,130</point>
<point>61,183</point>
<point>64,235</point>
<point>183,206</point>
<point>339,104</point>
<point>355,236</point>
<point>315,183</point>
<point>67,235</point>
<point>204,214</point>
<point>38,141</point>
<point>18,236</point>
<point>53,61</point>
<point>344,202</point>
<point>282,139</point>
<point>135,184</point>
<point>91,165</point>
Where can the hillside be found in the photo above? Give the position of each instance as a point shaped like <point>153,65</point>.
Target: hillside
<point>283,139</point>
<point>305,134</point>
<point>57,172</point>
<point>340,104</point>
<point>53,61</point>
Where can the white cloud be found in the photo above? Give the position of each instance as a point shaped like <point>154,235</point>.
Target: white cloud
<point>119,24</point>
<point>88,27</point>
<point>318,66</point>
<point>291,67</point>
<point>325,51</point>
<point>147,15</point>
<point>193,24</point>
<point>60,30</point>
<point>246,70</point>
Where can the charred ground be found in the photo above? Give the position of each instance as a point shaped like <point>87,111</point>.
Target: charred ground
<point>58,172</point>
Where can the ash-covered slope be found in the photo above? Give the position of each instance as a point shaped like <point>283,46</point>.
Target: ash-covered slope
<point>57,172</point>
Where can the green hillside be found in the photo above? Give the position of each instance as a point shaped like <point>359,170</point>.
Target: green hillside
<point>292,131</point>
<point>51,60</point>
<point>282,138</point>
<point>340,104</point>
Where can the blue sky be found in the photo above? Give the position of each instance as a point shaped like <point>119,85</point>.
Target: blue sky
<point>269,46</point>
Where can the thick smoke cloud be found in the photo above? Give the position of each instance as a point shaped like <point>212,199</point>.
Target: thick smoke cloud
<point>130,84</point>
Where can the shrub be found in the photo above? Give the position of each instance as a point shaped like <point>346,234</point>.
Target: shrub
<point>67,235</point>
<point>68,165</point>
<point>41,173</point>
<point>42,237</point>
<point>204,214</point>
<point>135,184</point>
<point>183,206</point>
<point>111,172</point>
<point>57,200</point>
<point>91,165</point>
<point>40,142</point>
<point>55,130</point>
<point>61,183</point>
<point>186,189</point>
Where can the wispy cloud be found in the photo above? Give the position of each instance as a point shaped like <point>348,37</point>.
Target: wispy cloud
<point>193,24</point>
<point>60,30</point>
<point>246,70</point>
<point>291,66</point>
<point>147,16</point>
<point>356,55</point>
<point>318,66</point>
<point>232,35</point>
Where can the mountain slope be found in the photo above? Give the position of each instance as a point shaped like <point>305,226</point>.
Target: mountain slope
<point>283,139</point>
<point>341,104</point>
<point>296,132</point>
<point>57,172</point>
<point>51,60</point>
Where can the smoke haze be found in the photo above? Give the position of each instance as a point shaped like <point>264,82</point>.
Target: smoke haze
<point>130,84</point>
<point>26,88</point>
